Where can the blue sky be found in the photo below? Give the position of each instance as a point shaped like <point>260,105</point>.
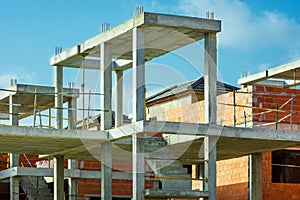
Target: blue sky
<point>256,34</point>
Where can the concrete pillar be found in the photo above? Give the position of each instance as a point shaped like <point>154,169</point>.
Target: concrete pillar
<point>59,96</point>
<point>58,177</point>
<point>72,164</point>
<point>106,171</point>
<point>119,98</point>
<point>210,170</point>
<point>106,119</point>
<point>210,78</point>
<point>106,86</point>
<point>59,160</point>
<point>256,176</point>
<point>138,87</point>
<point>14,158</point>
<point>138,76</point>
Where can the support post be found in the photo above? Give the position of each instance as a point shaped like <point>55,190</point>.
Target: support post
<point>106,86</point>
<point>210,78</point>
<point>59,96</point>
<point>59,159</point>
<point>58,177</point>
<point>256,178</point>
<point>138,87</point>
<point>106,119</point>
<point>210,170</point>
<point>119,98</point>
<point>210,111</point>
<point>14,158</point>
<point>106,170</point>
<point>72,164</point>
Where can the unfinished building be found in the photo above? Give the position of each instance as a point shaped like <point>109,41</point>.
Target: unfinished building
<point>172,155</point>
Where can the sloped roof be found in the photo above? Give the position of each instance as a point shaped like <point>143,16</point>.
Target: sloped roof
<point>194,85</point>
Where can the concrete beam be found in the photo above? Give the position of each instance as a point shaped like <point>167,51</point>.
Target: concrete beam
<point>210,78</point>
<point>68,173</point>
<point>156,193</point>
<point>106,87</point>
<point>165,20</point>
<point>69,55</point>
<point>93,64</point>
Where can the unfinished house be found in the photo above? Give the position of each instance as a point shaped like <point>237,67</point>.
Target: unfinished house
<point>176,155</point>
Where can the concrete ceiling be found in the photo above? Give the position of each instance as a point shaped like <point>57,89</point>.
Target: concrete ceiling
<point>185,144</point>
<point>289,71</point>
<point>24,97</point>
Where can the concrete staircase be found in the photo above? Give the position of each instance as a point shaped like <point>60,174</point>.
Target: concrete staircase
<point>171,173</point>
<point>38,191</point>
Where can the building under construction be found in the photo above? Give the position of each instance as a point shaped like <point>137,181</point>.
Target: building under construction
<point>201,139</point>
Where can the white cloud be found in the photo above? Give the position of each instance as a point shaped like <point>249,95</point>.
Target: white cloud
<point>245,29</point>
<point>18,73</point>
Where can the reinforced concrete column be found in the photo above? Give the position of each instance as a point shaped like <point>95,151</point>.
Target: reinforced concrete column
<point>106,119</point>
<point>58,177</point>
<point>106,170</point>
<point>59,96</point>
<point>256,178</point>
<point>72,164</point>
<point>138,87</point>
<point>210,78</point>
<point>210,169</point>
<point>119,98</point>
<point>106,86</point>
<point>14,158</point>
<point>59,159</point>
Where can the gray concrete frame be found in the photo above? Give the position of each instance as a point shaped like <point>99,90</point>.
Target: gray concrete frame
<point>131,41</point>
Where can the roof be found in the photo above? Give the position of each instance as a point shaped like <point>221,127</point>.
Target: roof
<point>289,71</point>
<point>194,85</point>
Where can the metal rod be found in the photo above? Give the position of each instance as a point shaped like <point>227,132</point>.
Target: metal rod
<point>82,90</point>
<point>245,119</point>
<point>234,110</point>
<point>49,122</point>
<point>295,84</point>
<point>40,116</point>
<point>89,108</point>
<point>34,108</point>
<point>276,124</point>
<point>291,114</point>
